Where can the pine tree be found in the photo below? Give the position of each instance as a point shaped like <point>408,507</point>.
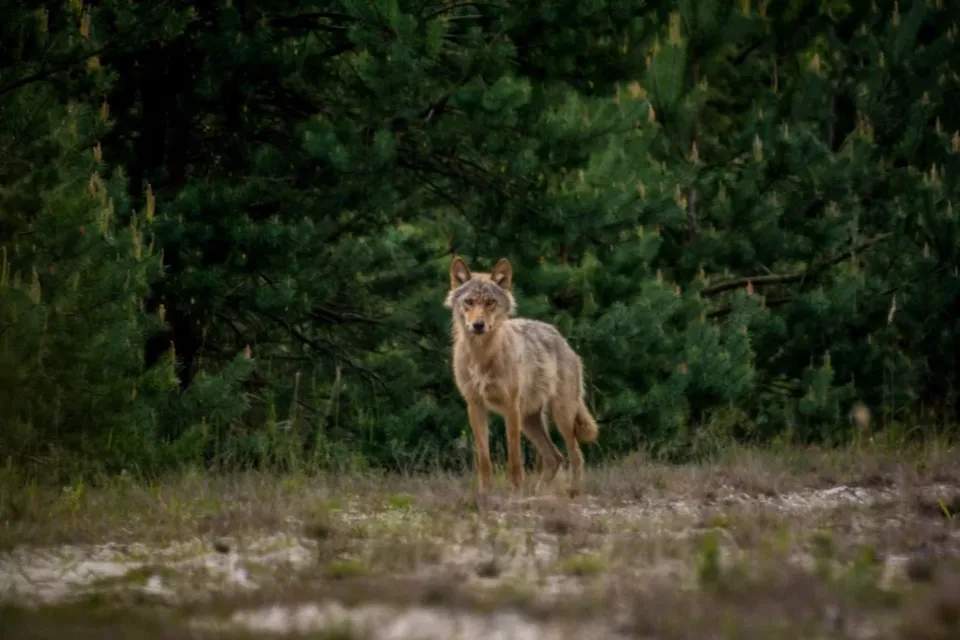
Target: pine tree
<point>740,213</point>
<point>75,266</point>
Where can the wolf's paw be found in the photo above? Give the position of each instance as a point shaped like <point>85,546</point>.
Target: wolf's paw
<point>550,471</point>
<point>537,486</point>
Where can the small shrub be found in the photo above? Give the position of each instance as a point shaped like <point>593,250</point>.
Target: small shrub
<point>583,564</point>
<point>346,568</point>
<point>400,502</point>
<point>708,559</point>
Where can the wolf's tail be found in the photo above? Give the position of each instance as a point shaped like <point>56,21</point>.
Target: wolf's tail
<point>584,426</point>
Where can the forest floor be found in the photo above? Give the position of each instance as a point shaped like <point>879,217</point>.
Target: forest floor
<point>758,544</point>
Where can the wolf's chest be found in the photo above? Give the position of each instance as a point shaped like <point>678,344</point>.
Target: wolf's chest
<point>485,385</point>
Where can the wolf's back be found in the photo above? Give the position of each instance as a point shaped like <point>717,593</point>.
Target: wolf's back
<point>542,344</point>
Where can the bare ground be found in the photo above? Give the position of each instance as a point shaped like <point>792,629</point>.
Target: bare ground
<point>798,543</point>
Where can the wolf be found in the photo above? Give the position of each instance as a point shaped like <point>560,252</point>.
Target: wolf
<point>522,369</point>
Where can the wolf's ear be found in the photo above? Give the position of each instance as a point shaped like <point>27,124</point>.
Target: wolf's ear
<point>502,274</point>
<point>459,273</point>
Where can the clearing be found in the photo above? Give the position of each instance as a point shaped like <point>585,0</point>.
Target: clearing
<point>790,543</point>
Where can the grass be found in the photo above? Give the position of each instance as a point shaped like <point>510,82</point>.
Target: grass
<point>347,568</point>
<point>583,564</point>
<point>195,503</point>
<point>754,544</point>
<point>400,501</point>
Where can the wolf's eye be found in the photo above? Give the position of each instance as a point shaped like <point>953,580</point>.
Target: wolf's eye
<point>491,303</point>
<point>469,302</point>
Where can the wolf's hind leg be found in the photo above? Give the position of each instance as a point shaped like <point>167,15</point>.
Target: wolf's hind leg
<point>564,415</point>
<point>536,430</point>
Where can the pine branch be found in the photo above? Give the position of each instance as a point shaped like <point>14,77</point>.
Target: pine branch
<point>456,5</point>
<point>763,280</point>
<point>330,349</point>
<point>749,49</point>
<point>769,303</point>
<point>47,73</point>
<point>757,281</point>
<point>331,316</point>
<point>311,21</point>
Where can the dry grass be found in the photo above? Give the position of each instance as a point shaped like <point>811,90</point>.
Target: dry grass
<point>198,504</point>
<point>792,543</point>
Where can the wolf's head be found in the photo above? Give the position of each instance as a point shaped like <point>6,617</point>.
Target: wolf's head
<point>481,302</point>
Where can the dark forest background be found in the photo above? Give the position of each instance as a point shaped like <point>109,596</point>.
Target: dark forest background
<point>225,225</point>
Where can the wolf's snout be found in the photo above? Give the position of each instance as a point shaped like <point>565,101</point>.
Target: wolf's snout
<point>479,326</point>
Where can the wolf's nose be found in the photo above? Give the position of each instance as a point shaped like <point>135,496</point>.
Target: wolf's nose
<point>479,326</point>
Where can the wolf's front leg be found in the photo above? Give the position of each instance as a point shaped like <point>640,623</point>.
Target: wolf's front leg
<point>481,444</point>
<point>514,422</point>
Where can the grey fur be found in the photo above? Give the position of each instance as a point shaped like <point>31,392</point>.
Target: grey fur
<point>522,369</point>
<point>482,289</point>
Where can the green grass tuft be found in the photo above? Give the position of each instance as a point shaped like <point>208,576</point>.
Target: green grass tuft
<point>346,568</point>
<point>584,564</point>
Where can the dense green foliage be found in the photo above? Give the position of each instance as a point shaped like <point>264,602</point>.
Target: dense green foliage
<point>740,215</point>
